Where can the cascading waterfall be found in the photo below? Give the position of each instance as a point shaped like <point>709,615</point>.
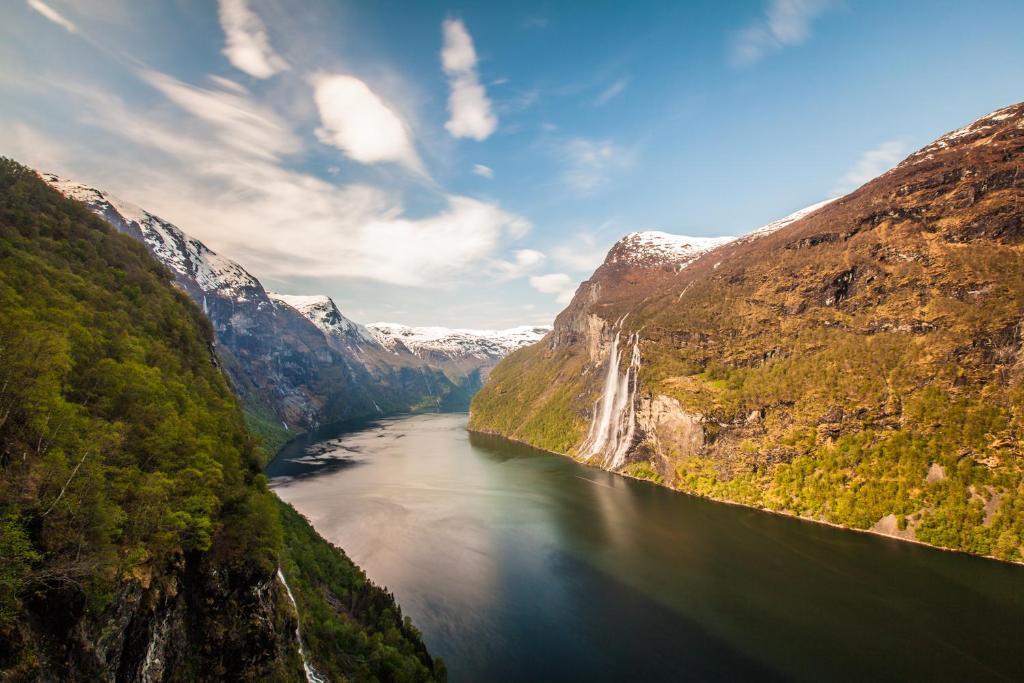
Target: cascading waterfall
<point>613,425</point>
<point>311,675</point>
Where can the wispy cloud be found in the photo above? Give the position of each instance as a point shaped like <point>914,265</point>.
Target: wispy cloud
<point>238,122</point>
<point>559,284</point>
<point>523,261</point>
<point>470,111</point>
<point>359,123</point>
<point>589,164</point>
<point>581,254</point>
<point>785,23</point>
<point>239,195</point>
<point>53,15</point>
<point>247,44</point>
<point>483,171</point>
<point>871,164</point>
<point>611,92</point>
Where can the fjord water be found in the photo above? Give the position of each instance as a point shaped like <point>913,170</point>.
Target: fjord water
<point>521,565</point>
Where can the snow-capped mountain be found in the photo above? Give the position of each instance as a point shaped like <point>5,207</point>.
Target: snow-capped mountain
<point>295,358</point>
<point>455,344</point>
<point>188,258</point>
<point>655,248</point>
<point>323,312</point>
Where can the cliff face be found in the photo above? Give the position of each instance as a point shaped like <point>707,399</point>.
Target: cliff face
<point>858,362</point>
<point>197,620</point>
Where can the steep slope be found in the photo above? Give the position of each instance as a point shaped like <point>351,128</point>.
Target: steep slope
<point>289,367</point>
<point>858,363</point>
<point>138,539</point>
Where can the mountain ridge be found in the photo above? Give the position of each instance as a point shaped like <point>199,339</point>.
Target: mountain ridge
<point>296,361</point>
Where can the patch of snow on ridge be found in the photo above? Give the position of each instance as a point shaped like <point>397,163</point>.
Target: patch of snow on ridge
<point>456,342</point>
<point>653,246</point>
<point>323,312</point>
<point>975,129</point>
<point>186,256</point>
<point>779,224</point>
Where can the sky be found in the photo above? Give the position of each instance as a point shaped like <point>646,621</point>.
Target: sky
<point>467,164</point>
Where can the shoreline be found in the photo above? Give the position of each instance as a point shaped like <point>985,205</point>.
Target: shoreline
<point>734,503</point>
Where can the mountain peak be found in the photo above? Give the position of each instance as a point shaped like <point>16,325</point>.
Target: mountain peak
<point>192,262</point>
<point>655,248</point>
<point>321,310</point>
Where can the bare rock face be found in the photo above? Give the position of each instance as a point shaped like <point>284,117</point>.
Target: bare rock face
<point>195,620</point>
<point>669,431</point>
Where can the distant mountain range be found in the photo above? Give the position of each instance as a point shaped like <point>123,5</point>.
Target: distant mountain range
<point>297,360</point>
<point>859,362</point>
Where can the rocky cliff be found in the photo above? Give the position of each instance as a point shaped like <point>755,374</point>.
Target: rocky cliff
<point>858,362</point>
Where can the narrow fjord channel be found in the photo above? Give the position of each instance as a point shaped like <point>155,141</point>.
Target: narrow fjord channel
<point>519,565</point>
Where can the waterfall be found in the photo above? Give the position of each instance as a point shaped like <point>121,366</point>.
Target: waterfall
<point>613,425</point>
<point>311,675</point>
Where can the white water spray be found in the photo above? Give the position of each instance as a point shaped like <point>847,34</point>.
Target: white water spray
<point>311,675</point>
<point>614,423</point>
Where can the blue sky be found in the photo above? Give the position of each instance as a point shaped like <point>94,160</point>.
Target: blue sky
<point>468,163</point>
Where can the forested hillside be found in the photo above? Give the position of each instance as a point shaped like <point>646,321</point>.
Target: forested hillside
<point>137,535</point>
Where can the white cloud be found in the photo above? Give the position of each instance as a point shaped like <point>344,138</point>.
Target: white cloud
<point>359,123</point>
<point>523,262</point>
<point>244,202</point>
<point>589,164</point>
<point>785,23</point>
<point>871,164</point>
<point>247,45</point>
<point>239,122</point>
<point>611,92</point>
<point>559,284</point>
<point>470,112</point>
<point>582,254</point>
<point>483,171</point>
<point>228,84</point>
<point>53,15</point>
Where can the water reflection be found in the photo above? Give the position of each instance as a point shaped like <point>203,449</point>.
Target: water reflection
<point>518,565</point>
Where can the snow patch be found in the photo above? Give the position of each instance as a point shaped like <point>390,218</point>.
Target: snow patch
<point>455,343</point>
<point>187,257</point>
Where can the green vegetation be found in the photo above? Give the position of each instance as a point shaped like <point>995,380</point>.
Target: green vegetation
<point>125,462</point>
<point>546,387</point>
<point>271,434</point>
<point>352,629</point>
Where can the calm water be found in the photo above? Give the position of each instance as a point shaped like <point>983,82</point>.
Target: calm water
<point>519,565</point>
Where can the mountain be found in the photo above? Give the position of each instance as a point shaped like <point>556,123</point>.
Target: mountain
<point>859,362</point>
<point>461,352</point>
<point>295,361</point>
<point>138,538</point>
